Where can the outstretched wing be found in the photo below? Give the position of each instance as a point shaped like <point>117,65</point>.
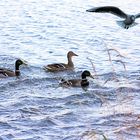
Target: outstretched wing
<point>109,9</point>
<point>137,15</point>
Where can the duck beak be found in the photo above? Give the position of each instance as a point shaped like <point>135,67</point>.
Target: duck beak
<point>25,62</point>
<point>74,54</point>
<point>91,76</point>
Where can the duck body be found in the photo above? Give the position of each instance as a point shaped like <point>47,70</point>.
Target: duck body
<point>128,19</point>
<point>83,82</point>
<point>9,73</point>
<point>75,83</point>
<point>62,66</point>
<point>58,67</point>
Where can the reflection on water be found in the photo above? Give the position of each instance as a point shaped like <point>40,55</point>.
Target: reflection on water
<point>35,106</point>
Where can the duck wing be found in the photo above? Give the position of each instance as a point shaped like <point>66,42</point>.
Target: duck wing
<point>56,67</point>
<point>109,9</point>
<point>3,73</point>
<point>71,83</point>
<point>7,72</point>
<point>75,82</point>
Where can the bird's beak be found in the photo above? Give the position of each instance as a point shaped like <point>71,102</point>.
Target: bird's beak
<point>25,62</point>
<point>74,54</point>
<point>90,10</point>
<point>91,76</point>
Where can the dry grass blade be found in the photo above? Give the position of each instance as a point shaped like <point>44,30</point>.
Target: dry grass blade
<point>120,61</point>
<point>93,66</point>
<point>92,135</point>
<point>102,98</point>
<point>110,59</point>
<point>114,78</point>
<point>119,54</point>
<point>126,128</point>
<point>109,55</point>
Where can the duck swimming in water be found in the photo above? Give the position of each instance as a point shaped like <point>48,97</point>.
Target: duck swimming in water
<point>4,72</point>
<point>129,20</point>
<point>83,82</point>
<point>61,66</point>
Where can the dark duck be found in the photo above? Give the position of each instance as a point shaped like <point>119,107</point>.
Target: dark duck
<point>4,72</point>
<point>83,82</point>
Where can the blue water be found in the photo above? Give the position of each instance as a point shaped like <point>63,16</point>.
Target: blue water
<point>35,107</point>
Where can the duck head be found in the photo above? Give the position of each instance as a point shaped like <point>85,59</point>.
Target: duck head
<point>70,54</point>
<point>17,64</point>
<point>20,62</point>
<point>85,74</point>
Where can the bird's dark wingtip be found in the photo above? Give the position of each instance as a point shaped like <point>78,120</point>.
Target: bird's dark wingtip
<point>90,10</point>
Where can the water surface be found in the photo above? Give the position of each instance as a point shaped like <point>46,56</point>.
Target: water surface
<point>35,107</point>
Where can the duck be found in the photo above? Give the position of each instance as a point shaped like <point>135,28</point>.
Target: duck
<point>4,72</point>
<point>61,66</point>
<point>83,82</point>
<point>129,20</point>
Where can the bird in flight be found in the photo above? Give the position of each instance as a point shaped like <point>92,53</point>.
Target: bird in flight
<point>129,20</point>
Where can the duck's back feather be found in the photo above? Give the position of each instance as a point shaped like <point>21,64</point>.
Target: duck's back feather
<point>71,83</point>
<point>57,67</point>
<point>6,72</point>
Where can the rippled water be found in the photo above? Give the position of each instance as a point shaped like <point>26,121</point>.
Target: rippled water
<point>35,107</point>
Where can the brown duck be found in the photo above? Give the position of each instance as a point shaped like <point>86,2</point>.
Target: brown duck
<point>4,72</point>
<point>61,66</point>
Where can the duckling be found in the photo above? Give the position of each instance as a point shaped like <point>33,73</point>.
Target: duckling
<point>129,20</point>
<point>61,66</point>
<point>9,73</point>
<point>77,82</point>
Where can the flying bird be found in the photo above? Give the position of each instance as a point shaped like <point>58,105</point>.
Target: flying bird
<point>129,20</point>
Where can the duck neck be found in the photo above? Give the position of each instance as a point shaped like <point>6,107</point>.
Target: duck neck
<point>17,72</point>
<point>84,82</point>
<point>84,77</point>
<point>70,63</point>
